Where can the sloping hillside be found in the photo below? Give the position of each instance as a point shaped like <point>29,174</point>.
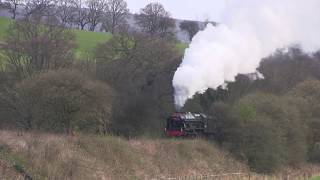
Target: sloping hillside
<point>47,156</point>
<point>86,40</point>
<point>4,24</point>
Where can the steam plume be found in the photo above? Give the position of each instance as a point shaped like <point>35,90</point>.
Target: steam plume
<point>250,30</point>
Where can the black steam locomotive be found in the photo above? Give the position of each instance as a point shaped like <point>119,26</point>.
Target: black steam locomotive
<point>187,124</point>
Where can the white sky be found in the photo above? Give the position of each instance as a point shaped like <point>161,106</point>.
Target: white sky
<point>185,9</point>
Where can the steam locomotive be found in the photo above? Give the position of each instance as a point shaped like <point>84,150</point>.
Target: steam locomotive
<point>187,124</point>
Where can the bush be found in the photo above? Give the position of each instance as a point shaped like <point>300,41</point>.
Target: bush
<point>314,155</point>
<point>221,123</point>
<point>31,47</point>
<point>65,100</point>
<point>140,68</point>
<point>268,132</point>
<point>263,146</point>
<point>309,92</point>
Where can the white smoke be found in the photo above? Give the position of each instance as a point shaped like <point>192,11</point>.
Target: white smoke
<point>250,30</point>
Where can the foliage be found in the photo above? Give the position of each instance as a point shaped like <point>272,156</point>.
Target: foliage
<point>116,16</point>
<point>155,20</point>
<point>65,100</point>
<point>31,47</point>
<point>309,91</point>
<point>284,70</point>
<point>86,41</point>
<point>140,69</point>
<point>269,122</point>
<point>59,101</point>
<point>95,12</point>
<point>4,25</point>
<point>39,9</point>
<point>18,162</point>
<point>268,132</point>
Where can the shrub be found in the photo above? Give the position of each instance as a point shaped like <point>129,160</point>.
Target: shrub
<point>314,155</point>
<point>268,132</point>
<point>31,47</point>
<point>65,100</point>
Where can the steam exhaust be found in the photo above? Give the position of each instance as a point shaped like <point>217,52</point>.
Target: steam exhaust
<point>250,30</point>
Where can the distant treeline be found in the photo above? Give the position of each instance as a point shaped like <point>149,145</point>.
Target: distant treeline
<point>104,15</point>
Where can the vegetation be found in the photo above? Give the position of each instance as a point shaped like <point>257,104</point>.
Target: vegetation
<point>118,13</point>
<point>85,41</point>
<point>122,87</point>
<point>137,67</point>
<point>12,6</point>
<point>191,27</point>
<point>31,47</point>
<point>270,122</point>
<point>64,101</point>
<point>4,25</point>
<point>47,156</point>
<point>155,20</point>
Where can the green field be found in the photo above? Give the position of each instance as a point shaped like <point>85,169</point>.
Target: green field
<point>86,40</point>
<point>4,24</point>
<point>181,47</point>
<point>315,178</point>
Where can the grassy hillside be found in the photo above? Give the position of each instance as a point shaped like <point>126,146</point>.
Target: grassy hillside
<point>47,156</point>
<point>86,40</point>
<point>315,178</point>
<point>181,47</point>
<point>4,24</point>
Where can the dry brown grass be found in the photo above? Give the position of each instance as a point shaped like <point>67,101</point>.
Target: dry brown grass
<point>46,156</point>
<point>7,172</point>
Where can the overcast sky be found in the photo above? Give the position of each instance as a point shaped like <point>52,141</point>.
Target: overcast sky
<point>185,9</point>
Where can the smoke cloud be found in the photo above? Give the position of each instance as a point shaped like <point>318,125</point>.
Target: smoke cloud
<point>250,30</point>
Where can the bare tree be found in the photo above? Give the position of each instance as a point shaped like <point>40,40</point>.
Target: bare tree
<point>12,6</point>
<point>155,20</point>
<point>66,10</point>
<point>140,68</point>
<point>191,27</point>
<point>115,15</point>
<point>81,14</point>
<point>40,8</point>
<point>31,47</point>
<point>95,8</point>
